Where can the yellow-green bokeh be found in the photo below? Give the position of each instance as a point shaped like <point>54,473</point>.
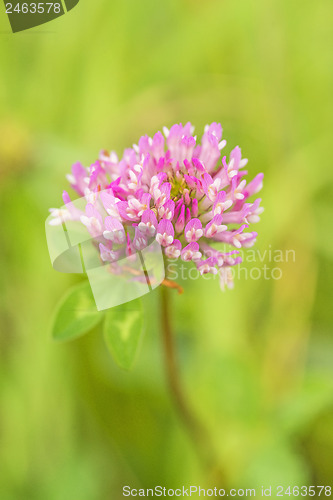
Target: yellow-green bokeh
<point>256,361</point>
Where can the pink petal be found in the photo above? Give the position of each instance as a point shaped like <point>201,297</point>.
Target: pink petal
<point>193,230</point>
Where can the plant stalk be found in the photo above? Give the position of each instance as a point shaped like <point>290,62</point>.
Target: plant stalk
<point>198,434</point>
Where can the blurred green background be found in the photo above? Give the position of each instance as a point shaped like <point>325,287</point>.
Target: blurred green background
<point>256,361</point>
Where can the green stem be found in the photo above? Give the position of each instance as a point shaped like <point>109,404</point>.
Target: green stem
<point>198,434</point>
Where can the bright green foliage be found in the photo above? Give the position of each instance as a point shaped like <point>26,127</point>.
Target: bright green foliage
<point>122,332</point>
<point>76,314</point>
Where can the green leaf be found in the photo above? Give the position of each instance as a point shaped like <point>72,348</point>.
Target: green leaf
<point>123,328</point>
<point>76,314</point>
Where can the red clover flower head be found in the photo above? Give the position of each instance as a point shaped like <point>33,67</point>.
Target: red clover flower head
<point>171,189</point>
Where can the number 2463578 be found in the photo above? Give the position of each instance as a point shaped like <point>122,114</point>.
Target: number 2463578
<point>33,8</point>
